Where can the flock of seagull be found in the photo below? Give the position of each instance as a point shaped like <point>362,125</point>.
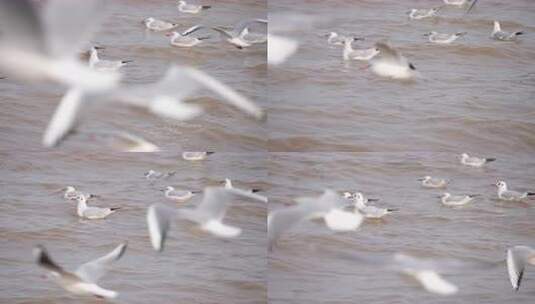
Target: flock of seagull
<point>38,47</point>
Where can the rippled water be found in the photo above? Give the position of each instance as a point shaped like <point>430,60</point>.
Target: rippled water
<point>331,124</point>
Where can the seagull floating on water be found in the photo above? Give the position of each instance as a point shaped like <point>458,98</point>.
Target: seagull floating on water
<point>328,206</point>
<point>156,25</point>
<point>84,280</point>
<point>438,38</point>
<point>498,34</point>
<point>179,195</point>
<point>417,14</point>
<point>510,195</point>
<point>92,213</point>
<point>208,215</point>
<point>360,54</point>
<point>72,194</point>
<point>194,156</point>
<point>237,36</point>
<point>369,211</point>
<point>184,7</point>
<point>517,258</point>
<point>430,182</point>
<point>181,40</point>
<point>335,39</point>
<point>390,63</point>
<point>104,65</point>
<point>456,200</point>
<point>473,161</point>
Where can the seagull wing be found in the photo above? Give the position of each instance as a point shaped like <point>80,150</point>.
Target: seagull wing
<point>192,29</point>
<point>387,52</point>
<point>159,221</point>
<point>94,270</point>
<point>515,266</point>
<point>64,118</point>
<point>238,28</point>
<point>282,220</point>
<point>43,259</point>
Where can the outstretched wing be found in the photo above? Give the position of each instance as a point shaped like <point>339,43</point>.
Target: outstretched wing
<point>159,219</point>
<point>94,270</point>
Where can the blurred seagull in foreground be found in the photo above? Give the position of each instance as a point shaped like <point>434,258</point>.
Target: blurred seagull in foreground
<point>473,161</point>
<point>510,195</point>
<point>208,215</point>
<point>517,258</point>
<point>237,36</point>
<point>390,63</point>
<point>184,7</point>
<point>361,54</point>
<point>417,14</point>
<point>194,156</point>
<point>438,38</point>
<point>156,25</point>
<point>456,200</point>
<point>280,49</point>
<point>84,280</point>
<point>179,195</point>
<point>163,98</point>
<point>41,44</point>
<point>228,185</point>
<point>154,175</point>
<point>369,211</point>
<point>430,182</point>
<point>104,65</point>
<point>92,213</point>
<point>498,34</point>
<point>329,206</point>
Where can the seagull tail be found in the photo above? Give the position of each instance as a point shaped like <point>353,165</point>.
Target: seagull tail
<point>531,193</point>
<point>474,195</point>
<point>460,34</point>
<point>126,61</point>
<point>256,190</point>
<point>204,37</point>
<point>490,159</point>
<point>392,209</point>
<point>115,208</point>
<point>518,33</point>
<point>206,6</point>
<point>373,200</point>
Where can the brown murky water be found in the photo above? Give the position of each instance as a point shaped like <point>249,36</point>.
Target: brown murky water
<point>331,124</point>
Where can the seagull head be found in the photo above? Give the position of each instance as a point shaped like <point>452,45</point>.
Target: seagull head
<point>425,178</point>
<point>444,195</point>
<point>69,189</point>
<point>147,20</point>
<point>348,195</point>
<point>501,185</point>
<point>168,189</point>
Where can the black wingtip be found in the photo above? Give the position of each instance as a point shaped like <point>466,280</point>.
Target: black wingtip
<point>206,6</point>
<point>203,38</point>
<point>209,153</point>
<point>490,159</point>
<point>412,67</point>
<point>126,61</point>
<point>392,209</point>
<point>531,193</point>
<point>373,200</point>
<point>115,208</point>
<point>519,33</point>
<point>256,190</point>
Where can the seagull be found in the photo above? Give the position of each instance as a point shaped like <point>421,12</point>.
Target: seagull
<point>430,182</point>
<point>473,161</point>
<point>369,211</point>
<point>228,185</point>
<point>457,2</point>
<point>179,195</point>
<point>517,258</point>
<point>352,196</point>
<point>361,54</point>
<point>72,194</point>
<point>510,195</point>
<point>236,36</point>
<point>184,7</point>
<point>456,200</point>
<point>208,215</point>
<point>84,280</point>
<point>280,49</point>
<point>104,65</point>
<point>417,14</point>
<point>438,38</point>
<point>154,175</point>
<point>335,39</point>
<point>41,42</point>
<point>92,213</point>
<point>194,156</point>
<point>391,63</point>
<point>328,206</point>
<point>156,25</point>
<point>498,34</point>
<point>163,98</point>
<point>180,40</point>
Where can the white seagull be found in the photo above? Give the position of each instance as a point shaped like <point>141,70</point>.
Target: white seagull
<point>438,38</point>
<point>498,34</point>
<point>184,7</point>
<point>72,194</point>
<point>237,36</point>
<point>104,65</point>
<point>328,206</point>
<point>390,63</point>
<point>280,49</point>
<point>92,213</point>
<point>156,25</point>
<point>517,258</point>
<point>179,195</point>
<point>417,14</point>
<point>41,43</point>
<point>84,280</point>
<point>208,215</point>
<point>228,185</point>
<point>195,156</point>
<point>154,175</point>
<point>474,161</point>
<point>359,54</point>
<point>510,195</point>
<point>430,182</point>
<point>369,211</point>
<point>456,200</point>
<point>181,40</point>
